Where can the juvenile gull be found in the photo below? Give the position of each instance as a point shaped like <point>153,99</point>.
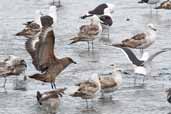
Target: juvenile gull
<point>88,89</point>
<point>99,10</point>
<point>110,82</point>
<point>13,65</point>
<point>40,45</point>
<point>141,40</point>
<point>89,32</point>
<point>143,65</point>
<point>50,100</point>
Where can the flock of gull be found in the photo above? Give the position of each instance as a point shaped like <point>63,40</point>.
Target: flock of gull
<point>40,41</point>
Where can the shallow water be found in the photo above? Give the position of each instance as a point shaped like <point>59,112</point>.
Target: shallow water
<point>150,99</point>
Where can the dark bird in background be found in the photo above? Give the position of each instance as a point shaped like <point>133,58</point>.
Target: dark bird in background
<point>12,66</point>
<point>168,91</point>
<point>40,45</point>
<point>99,10</point>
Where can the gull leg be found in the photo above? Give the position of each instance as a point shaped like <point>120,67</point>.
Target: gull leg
<point>51,85</point>
<point>5,81</point>
<point>108,33</point>
<point>92,104</point>
<point>143,80</point>
<point>54,85</point>
<point>151,10</point>
<point>88,46</point>
<point>4,85</point>
<point>135,79</point>
<point>59,2</point>
<point>141,52</point>
<point>92,45</point>
<point>87,104</point>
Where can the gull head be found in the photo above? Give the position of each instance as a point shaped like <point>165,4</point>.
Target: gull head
<point>30,31</point>
<point>107,11</point>
<point>52,9</point>
<point>152,27</point>
<point>111,7</point>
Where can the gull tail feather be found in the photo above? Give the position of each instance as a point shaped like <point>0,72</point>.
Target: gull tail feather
<point>39,95</point>
<point>41,77</point>
<point>74,40</point>
<point>159,7</point>
<point>118,45</point>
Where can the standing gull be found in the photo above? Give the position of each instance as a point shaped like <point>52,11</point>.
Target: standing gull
<point>99,10</point>
<point>89,32</point>
<point>141,40</point>
<point>143,65</point>
<point>40,45</point>
<point>88,89</point>
<point>12,66</point>
<point>110,82</point>
<point>106,21</point>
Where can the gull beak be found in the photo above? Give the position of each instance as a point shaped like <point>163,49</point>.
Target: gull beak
<point>19,33</point>
<point>154,29</point>
<point>74,62</point>
<point>102,22</point>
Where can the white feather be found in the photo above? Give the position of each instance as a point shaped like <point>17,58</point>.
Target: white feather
<point>37,17</point>
<point>145,56</point>
<point>53,13</point>
<point>140,70</point>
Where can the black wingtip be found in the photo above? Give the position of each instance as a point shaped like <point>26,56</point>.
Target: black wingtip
<point>140,2</point>
<point>83,17</point>
<point>157,7</point>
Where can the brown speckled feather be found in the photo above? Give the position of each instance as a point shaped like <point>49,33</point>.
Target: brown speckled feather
<point>107,82</point>
<point>134,41</point>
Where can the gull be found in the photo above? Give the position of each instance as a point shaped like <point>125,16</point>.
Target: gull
<point>50,100</point>
<point>88,89</point>
<point>143,65</point>
<point>110,82</point>
<point>165,5</point>
<point>40,45</point>
<point>12,65</point>
<point>89,32</point>
<point>99,10</point>
<point>140,40</point>
<point>106,21</point>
